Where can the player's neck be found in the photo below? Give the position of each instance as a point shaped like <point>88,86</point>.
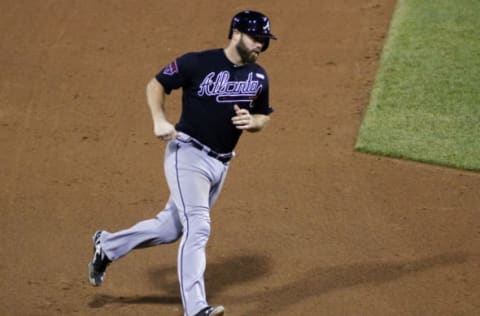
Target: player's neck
<point>233,56</point>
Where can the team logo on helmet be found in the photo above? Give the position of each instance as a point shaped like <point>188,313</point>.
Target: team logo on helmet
<point>266,27</point>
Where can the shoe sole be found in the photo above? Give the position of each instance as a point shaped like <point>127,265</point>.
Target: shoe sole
<point>218,311</point>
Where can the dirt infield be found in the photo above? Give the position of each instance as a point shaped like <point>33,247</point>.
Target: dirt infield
<point>304,226</point>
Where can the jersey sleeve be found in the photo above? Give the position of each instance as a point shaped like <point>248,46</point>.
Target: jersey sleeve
<point>176,74</point>
<point>262,103</point>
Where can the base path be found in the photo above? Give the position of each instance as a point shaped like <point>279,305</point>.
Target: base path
<point>304,226</point>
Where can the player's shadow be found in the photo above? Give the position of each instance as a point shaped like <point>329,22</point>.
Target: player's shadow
<point>219,275</point>
<point>101,300</point>
<point>315,282</point>
<point>321,280</point>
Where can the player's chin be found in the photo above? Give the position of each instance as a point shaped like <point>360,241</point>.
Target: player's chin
<point>253,57</point>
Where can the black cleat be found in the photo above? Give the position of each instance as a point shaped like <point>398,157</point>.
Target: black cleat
<point>99,263</point>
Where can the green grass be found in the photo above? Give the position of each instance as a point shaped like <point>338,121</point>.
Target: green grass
<point>425,104</point>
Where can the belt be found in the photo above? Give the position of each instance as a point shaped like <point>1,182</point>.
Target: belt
<point>224,158</point>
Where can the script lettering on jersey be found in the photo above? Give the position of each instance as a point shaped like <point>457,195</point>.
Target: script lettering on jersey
<point>227,91</point>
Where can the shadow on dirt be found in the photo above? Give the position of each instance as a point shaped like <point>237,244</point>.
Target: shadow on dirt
<point>236,270</point>
<point>325,279</point>
<point>220,275</point>
<point>101,300</point>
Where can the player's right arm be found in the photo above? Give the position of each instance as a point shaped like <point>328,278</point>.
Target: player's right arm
<point>162,128</point>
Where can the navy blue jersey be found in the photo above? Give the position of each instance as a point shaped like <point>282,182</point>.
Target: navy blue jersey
<point>211,86</point>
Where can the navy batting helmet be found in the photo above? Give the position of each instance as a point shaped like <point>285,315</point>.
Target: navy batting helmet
<point>253,23</point>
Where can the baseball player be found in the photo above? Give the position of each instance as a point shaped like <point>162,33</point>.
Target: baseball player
<point>224,93</point>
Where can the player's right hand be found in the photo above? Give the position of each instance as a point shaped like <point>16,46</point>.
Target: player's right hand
<point>164,130</point>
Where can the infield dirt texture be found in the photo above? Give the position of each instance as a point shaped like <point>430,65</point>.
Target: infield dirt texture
<point>304,226</point>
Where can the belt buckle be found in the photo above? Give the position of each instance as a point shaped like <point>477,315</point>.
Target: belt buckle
<point>183,137</point>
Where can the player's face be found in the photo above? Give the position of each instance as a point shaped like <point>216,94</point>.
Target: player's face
<point>249,48</point>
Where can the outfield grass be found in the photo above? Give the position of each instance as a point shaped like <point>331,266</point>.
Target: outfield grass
<point>425,104</point>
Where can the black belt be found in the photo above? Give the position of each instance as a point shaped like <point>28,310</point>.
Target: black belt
<point>221,157</point>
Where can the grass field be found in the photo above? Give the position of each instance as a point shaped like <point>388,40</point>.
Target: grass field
<point>425,104</point>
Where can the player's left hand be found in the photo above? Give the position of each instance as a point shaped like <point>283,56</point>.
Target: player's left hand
<point>242,119</point>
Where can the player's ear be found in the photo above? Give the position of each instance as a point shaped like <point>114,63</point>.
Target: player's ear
<point>236,34</point>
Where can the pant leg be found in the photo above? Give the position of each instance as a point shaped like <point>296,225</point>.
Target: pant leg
<point>195,183</point>
<point>164,228</point>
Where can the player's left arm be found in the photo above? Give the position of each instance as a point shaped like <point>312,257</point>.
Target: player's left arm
<point>249,122</point>
<point>259,122</point>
